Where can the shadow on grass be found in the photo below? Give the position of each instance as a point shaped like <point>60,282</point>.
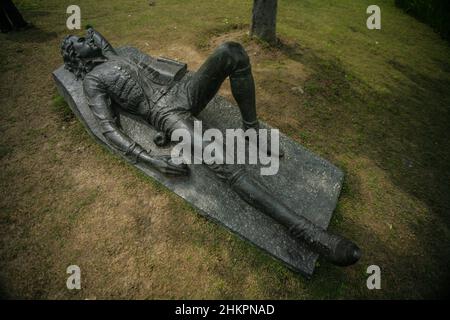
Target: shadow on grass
<point>3,293</point>
<point>32,35</point>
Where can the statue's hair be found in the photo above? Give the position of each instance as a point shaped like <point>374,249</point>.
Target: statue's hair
<point>72,62</point>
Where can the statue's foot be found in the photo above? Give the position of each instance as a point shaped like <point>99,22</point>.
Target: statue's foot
<point>269,151</point>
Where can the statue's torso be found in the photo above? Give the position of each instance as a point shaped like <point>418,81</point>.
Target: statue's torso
<point>133,88</point>
<point>124,82</point>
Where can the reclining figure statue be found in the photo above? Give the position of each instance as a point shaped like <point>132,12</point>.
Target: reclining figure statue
<point>155,90</point>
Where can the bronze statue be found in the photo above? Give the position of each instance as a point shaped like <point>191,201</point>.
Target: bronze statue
<point>156,90</point>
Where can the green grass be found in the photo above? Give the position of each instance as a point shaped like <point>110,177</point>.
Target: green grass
<point>60,106</point>
<point>374,102</point>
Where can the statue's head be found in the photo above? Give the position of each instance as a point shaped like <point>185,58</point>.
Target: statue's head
<point>80,54</point>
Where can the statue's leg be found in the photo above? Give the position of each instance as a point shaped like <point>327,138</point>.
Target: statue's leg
<point>333,247</point>
<point>228,60</point>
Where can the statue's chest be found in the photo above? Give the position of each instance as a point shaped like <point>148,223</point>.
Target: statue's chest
<point>125,87</point>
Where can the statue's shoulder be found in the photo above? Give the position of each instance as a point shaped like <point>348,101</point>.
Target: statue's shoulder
<point>97,73</point>
<point>104,68</point>
<point>100,74</point>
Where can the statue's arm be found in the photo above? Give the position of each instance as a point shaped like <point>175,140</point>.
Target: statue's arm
<point>101,42</point>
<point>100,104</point>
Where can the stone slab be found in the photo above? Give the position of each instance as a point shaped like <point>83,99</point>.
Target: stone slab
<point>309,184</point>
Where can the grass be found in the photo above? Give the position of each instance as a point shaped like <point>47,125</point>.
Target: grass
<point>374,102</point>
<point>62,109</point>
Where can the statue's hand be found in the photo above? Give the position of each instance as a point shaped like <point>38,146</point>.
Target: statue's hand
<point>90,31</point>
<point>165,165</point>
<point>91,34</point>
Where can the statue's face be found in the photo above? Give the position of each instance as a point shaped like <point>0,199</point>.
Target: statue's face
<point>84,47</point>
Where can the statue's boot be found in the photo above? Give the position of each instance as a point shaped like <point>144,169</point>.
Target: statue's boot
<point>228,60</point>
<point>243,89</point>
<point>334,248</point>
<point>268,146</point>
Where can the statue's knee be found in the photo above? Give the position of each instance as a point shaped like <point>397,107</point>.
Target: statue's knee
<point>236,52</point>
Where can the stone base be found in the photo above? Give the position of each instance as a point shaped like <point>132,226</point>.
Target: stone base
<point>308,184</point>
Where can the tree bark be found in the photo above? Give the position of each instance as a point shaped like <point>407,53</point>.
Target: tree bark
<point>264,20</point>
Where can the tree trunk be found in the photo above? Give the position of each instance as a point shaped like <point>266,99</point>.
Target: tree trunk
<point>264,20</point>
<point>9,11</point>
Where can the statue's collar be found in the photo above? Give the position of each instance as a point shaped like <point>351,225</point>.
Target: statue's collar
<point>98,60</point>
